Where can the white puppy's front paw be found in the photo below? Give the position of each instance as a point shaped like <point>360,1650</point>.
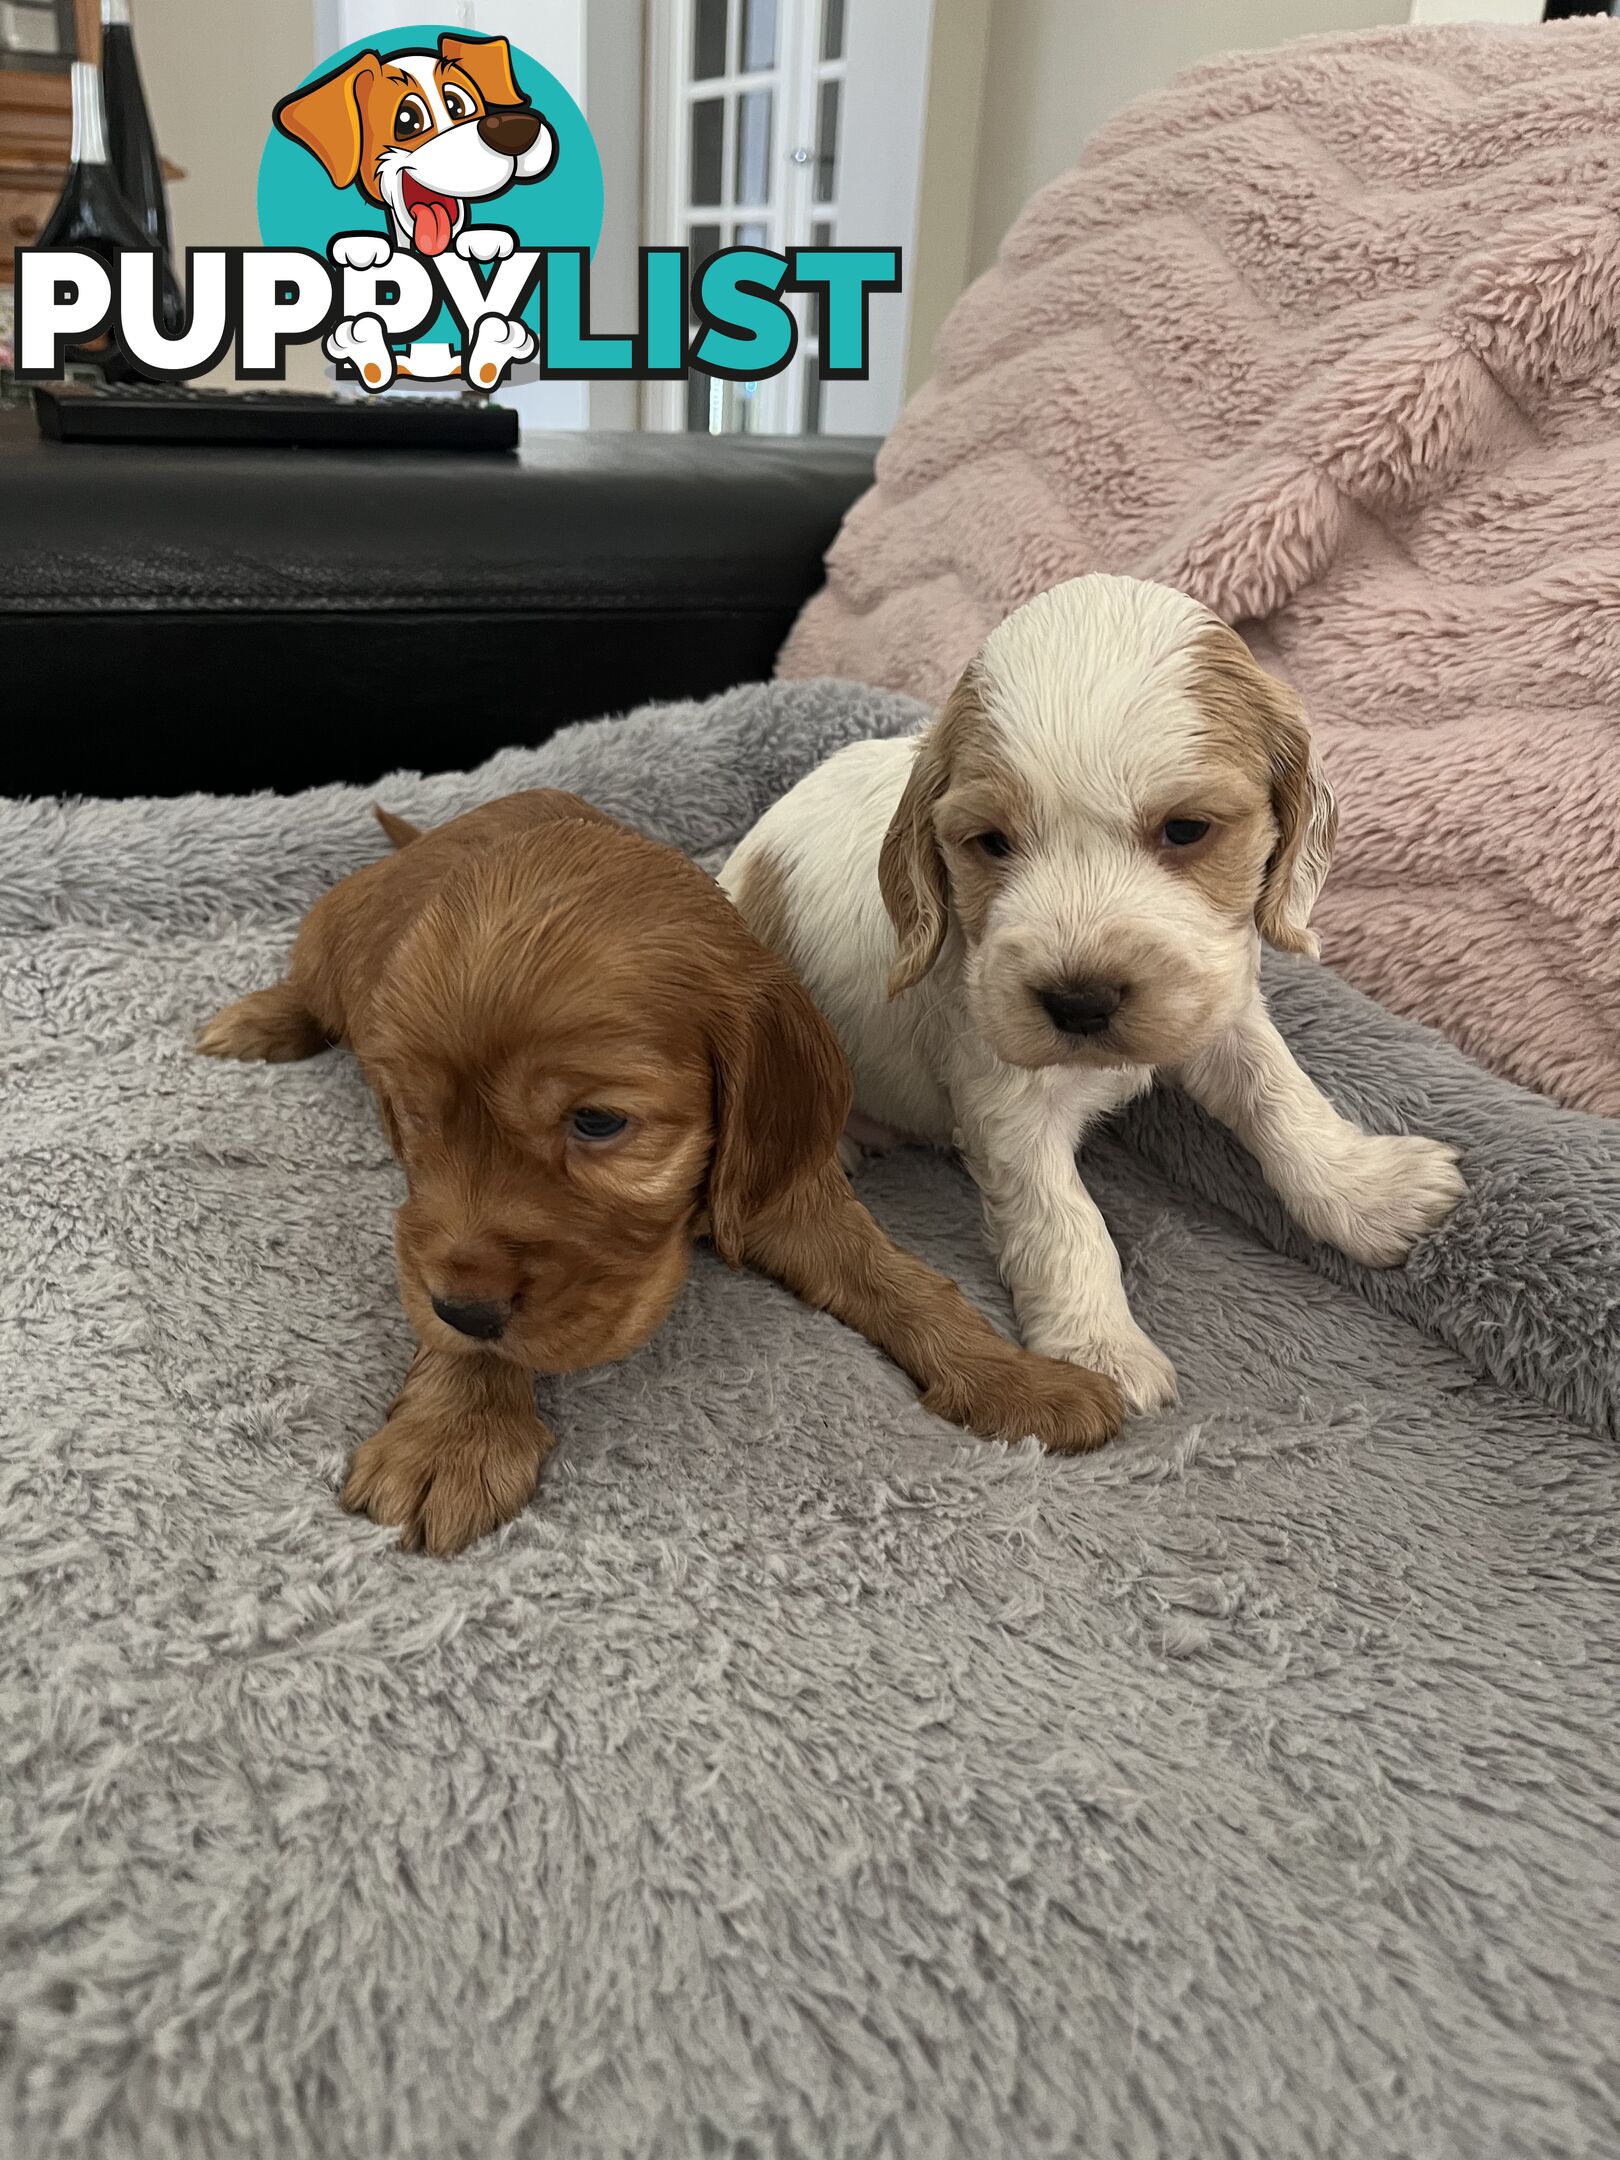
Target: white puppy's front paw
<point>364,343</point>
<point>361,250</point>
<point>1389,1191</point>
<point>497,347</point>
<point>1146,1377</point>
<point>485,243</point>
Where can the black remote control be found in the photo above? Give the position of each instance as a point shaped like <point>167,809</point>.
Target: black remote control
<point>269,419</point>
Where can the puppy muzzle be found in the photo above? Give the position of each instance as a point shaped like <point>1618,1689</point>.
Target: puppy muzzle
<point>481,1319</point>
<point>1082,1008</point>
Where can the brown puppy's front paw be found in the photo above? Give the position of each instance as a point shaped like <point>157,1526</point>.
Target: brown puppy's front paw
<point>1069,1410</point>
<point>444,1487</point>
<point>270,1026</point>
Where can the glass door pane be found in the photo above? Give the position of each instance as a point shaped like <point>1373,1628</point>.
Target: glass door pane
<point>827,104</point>
<point>754,110</point>
<point>702,241</point>
<point>744,77</point>
<point>708,39</point>
<point>758,36</point>
<point>706,181</point>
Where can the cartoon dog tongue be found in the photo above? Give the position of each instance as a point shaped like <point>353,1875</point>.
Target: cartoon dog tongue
<point>432,216</point>
<point>433,223</point>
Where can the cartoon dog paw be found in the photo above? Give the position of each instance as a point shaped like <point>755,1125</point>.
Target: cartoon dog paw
<point>485,243</point>
<point>361,250</point>
<point>497,347</point>
<point>363,342</point>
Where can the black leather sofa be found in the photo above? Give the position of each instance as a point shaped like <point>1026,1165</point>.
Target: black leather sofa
<point>224,620</point>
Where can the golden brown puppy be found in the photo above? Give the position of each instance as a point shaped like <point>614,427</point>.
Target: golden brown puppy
<point>584,1061</point>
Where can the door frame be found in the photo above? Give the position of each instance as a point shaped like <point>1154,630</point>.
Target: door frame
<point>884,100</point>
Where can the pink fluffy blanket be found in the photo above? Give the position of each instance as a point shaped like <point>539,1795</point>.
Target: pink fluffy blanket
<point>1329,337</point>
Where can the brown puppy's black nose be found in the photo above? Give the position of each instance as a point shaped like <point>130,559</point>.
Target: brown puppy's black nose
<point>481,1318</point>
<point>511,133</point>
<point>1082,1008</point>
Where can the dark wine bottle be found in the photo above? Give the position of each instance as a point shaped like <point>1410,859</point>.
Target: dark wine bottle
<point>131,145</point>
<point>91,213</point>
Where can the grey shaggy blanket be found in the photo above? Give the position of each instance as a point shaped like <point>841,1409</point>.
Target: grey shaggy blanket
<point>796,1776</point>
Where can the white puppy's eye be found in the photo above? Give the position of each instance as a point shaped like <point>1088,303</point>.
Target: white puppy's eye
<point>993,843</point>
<point>411,120</point>
<point>1180,832</point>
<point>457,103</point>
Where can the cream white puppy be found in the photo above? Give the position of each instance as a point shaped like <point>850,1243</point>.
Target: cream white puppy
<point>1057,893</point>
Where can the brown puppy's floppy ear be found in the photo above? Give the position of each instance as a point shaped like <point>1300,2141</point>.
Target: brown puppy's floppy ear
<point>911,869</point>
<point>488,61</point>
<point>401,832</point>
<point>390,1126</point>
<point>380,1084</point>
<point>1307,823</point>
<point>781,1098</point>
<point>325,117</point>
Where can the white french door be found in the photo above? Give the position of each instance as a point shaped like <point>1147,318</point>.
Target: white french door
<point>747,118</point>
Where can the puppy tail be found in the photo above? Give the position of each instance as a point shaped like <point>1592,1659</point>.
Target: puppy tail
<point>401,832</point>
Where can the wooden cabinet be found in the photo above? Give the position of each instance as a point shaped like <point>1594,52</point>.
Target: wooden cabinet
<point>36,131</point>
<point>24,207</point>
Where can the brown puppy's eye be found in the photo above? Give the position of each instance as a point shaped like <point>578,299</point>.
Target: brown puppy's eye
<point>1184,831</point>
<point>411,120</point>
<point>993,843</point>
<point>597,1124</point>
<point>457,103</point>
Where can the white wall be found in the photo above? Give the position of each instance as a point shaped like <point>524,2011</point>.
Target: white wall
<point>880,198</point>
<point>1057,69</point>
<point>613,106</point>
<point>213,70</point>
<point>941,259</point>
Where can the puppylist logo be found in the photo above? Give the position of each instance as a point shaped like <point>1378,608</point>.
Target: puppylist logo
<point>430,210</point>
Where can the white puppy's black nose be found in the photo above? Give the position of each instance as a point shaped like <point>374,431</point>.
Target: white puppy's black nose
<point>1082,1008</point>
<point>482,1318</point>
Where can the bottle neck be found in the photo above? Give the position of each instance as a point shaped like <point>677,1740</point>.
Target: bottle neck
<point>114,13</point>
<point>89,115</point>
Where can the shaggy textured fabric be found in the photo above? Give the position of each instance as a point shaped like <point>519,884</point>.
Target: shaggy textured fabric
<point>1330,338</point>
<point>796,1777</point>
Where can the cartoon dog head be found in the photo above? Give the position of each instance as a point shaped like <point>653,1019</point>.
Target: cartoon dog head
<point>423,133</point>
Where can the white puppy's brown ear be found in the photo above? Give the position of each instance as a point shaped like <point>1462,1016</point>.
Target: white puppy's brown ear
<point>911,867</point>
<point>1307,824</point>
<point>325,117</point>
<point>1259,722</point>
<point>488,62</point>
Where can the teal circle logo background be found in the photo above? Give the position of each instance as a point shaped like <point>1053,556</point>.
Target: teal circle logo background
<point>299,207</point>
